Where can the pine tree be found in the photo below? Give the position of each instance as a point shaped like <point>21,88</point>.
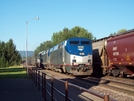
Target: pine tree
<point>7,64</point>
<point>9,56</point>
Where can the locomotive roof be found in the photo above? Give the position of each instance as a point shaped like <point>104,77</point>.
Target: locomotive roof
<point>40,52</point>
<point>45,51</point>
<point>64,43</point>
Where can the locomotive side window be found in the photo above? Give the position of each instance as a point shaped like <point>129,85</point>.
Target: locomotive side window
<point>60,46</point>
<point>74,42</point>
<point>52,49</point>
<point>85,42</point>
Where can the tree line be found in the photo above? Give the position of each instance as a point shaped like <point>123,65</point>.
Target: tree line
<point>119,32</point>
<point>64,35</point>
<point>9,56</point>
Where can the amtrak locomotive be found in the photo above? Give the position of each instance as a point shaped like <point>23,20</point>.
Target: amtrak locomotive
<point>73,56</point>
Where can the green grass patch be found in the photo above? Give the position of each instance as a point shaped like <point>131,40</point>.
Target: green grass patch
<point>13,73</point>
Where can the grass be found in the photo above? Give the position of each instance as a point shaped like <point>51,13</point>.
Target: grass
<point>13,73</point>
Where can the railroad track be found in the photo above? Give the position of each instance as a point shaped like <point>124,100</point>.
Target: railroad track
<point>126,88</point>
<point>113,88</point>
<point>116,83</point>
<point>118,79</point>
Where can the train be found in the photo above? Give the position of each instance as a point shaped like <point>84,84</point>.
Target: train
<point>32,60</point>
<point>112,55</point>
<point>72,56</point>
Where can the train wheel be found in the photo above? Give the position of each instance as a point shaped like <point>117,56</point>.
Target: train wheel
<point>71,74</point>
<point>121,74</point>
<point>64,69</point>
<point>109,74</point>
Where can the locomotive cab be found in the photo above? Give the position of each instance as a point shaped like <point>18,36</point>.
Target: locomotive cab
<point>80,56</point>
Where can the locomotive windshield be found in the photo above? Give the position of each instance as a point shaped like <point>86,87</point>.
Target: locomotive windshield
<point>79,42</point>
<point>85,42</point>
<point>74,42</point>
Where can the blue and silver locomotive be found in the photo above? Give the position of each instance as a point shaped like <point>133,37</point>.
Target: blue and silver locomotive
<point>73,56</point>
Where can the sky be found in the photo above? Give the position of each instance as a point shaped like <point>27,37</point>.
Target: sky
<point>100,17</point>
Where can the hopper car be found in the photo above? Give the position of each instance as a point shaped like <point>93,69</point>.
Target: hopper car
<point>120,51</point>
<point>114,55</point>
<point>100,57</point>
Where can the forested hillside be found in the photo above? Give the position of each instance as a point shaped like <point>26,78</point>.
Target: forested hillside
<point>23,53</point>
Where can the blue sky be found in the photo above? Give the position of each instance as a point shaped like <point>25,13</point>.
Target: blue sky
<point>101,17</point>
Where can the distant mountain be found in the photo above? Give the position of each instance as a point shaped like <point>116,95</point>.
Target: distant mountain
<point>23,53</point>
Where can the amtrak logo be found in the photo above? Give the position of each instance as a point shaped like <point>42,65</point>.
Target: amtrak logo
<point>80,49</point>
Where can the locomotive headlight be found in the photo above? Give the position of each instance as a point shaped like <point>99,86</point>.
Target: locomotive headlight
<point>73,60</point>
<point>89,60</point>
<point>82,53</point>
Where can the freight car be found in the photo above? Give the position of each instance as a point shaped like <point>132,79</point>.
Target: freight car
<point>120,51</point>
<point>73,56</point>
<point>100,57</point>
<point>114,55</point>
